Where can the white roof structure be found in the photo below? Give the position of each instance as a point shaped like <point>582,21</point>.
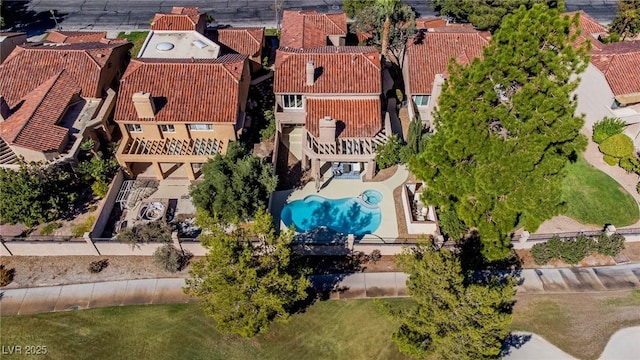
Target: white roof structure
<point>178,45</point>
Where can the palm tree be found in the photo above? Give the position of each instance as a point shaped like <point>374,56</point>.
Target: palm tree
<point>387,8</point>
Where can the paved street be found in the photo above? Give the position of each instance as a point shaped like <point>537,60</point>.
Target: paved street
<point>130,15</point>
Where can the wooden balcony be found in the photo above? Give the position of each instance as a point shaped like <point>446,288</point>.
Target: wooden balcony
<point>346,147</point>
<point>169,149</point>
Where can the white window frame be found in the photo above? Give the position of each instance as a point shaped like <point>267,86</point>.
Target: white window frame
<point>295,99</point>
<point>167,128</point>
<point>134,128</point>
<point>194,127</point>
<point>421,98</point>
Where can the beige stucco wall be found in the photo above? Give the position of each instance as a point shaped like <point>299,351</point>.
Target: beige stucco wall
<point>594,97</point>
<point>32,155</point>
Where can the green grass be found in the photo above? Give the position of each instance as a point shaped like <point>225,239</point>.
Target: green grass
<point>137,38</point>
<point>353,329</point>
<point>593,197</point>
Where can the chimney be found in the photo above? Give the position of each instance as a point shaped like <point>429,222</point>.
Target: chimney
<point>311,73</point>
<point>327,130</point>
<point>4,109</point>
<point>143,103</point>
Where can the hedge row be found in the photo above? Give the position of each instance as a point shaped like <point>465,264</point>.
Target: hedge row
<point>572,251</point>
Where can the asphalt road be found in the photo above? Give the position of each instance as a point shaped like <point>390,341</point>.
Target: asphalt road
<point>135,14</point>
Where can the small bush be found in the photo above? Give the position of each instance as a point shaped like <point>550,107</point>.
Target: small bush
<point>618,146</point>
<point>613,161</point>
<point>270,131</point>
<point>100,188</point>
<point>158,231</point>
<point>97,266</point>
<point>574,250</point>
<point>6,275</point>
<point>610,245</point>
<point>540,253</point>
<point>375,256</point>
<point>170,258</point>
<point>79,230</point>
<point>388,154</point>
<point>630,164</point>
<point>607,127</point>
<point>49,228</point>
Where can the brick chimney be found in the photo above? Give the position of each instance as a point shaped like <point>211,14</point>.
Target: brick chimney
<point>327,130</point>
<point>143,103</point>
<point>4,109</point>
<point>311,73</point>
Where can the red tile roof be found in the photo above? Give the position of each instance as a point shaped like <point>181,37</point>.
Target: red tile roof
<point>339,70</point>
<point>426,23</point>
<point>71,37</point>
<point>428,54</point>
<point>356,118</point>
<point>590,30</point>
<point>620,64</point>
<point>30,65</point>
<point>246,41</point>
<point>206,90</point>
<point>309,29</point>
<point>180,19</point>
<point>33,125</point>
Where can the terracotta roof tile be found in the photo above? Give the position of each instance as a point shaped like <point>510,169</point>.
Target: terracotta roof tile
<point>425,23</point>
<point>189,91</point>
<point>590,30</point>
<point>33,124</point>
<point>246,41</point>
<point>71,37</point>
<point>28,66</point>
<point>428,54</point>
<point>620,64</point>
<point>356,118</point>
<point>339,70</point>
<point>309,29</point>
<point>179,19</point>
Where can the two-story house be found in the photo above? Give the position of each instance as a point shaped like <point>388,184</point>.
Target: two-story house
<point>427,57</point>
<point>180,112</point>
<point>310,29</point>
<point>247,41</point>
<point>54,96</point>
<point>328,108</point>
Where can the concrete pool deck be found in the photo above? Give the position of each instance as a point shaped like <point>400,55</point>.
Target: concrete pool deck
<point>338,188</point>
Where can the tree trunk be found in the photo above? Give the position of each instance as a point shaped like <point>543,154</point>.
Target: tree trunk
<point>385,36</point>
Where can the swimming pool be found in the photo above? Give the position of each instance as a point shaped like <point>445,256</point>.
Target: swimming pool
<point>354,215</point>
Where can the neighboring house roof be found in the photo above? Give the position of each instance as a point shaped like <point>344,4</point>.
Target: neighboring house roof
<point>33,124</point>
<point>180,18</point>
<point>186,91</point>
<point>247,41</point>
<point>30,65</point>
<point>428,55</point>
<point>309,29</point>
<point>620,64</point>
<point>356,117</point>
<point>71,37</point>
<point>7,35</point>
<point>339,70</point>
<point>590,30</point>
<point>425,23</point>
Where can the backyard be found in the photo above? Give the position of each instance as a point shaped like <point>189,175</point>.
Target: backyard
<point>137,38</point>
<point>594,198</point>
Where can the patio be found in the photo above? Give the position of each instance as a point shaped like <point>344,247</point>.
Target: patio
<point>341,188</point>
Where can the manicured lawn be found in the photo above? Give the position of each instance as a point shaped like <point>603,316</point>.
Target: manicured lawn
<point>580,324</point>
<point>353,329</point>
<point>595,198</point>
<point>137,38</point>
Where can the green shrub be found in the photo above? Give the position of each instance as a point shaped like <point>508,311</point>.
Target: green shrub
<point>375,256</point>
<point>555,247</point>
<point>170,258</point>
<point>388,154</point>
<point>630,164</point>
<point>638,187</point>
<point>619,146</point>
<point>79,230</point>
<point>270,131</point>
<point>574,250</point>
<point>607,127</point>
<point>613,161</point>
<point>610,245</point>
<point>100,188</point>
<point>540,253</point>
<point>97,266</point>
<point>6,275</point>
<point>49,228</point>
<point>157,231</point>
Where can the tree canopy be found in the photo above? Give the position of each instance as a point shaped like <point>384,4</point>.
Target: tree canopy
<point>483,14</point>
<point>35,193</point>
<point>242,285</point>
<point>506,128</point>
<point>351,7</point>
<point>627,20</point>
<point>390,23</point>
<point>456,316</point>
<point>235,185</point>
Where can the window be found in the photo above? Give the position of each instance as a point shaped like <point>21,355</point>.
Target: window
<point>292,101</point>
<point>167,128</point>
<point>134,128</point>
<point>201,127</point>
<point>421,100</point>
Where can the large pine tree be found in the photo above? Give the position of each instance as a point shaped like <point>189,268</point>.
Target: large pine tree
<point>506,128</point>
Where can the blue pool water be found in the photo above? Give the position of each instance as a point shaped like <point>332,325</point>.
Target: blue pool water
<point>356,215</point>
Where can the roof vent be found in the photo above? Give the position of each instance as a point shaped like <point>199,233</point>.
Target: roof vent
<point>199,44</point>
<point>164,46</point>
